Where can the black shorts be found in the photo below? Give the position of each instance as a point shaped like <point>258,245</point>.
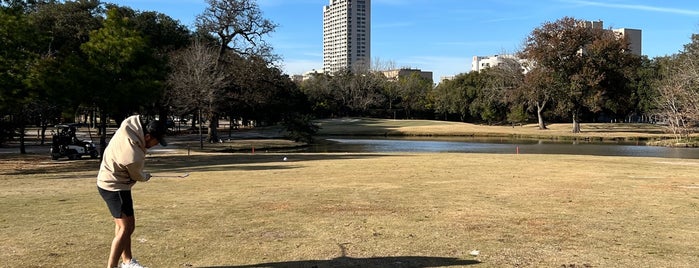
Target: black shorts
<point>119,202</point>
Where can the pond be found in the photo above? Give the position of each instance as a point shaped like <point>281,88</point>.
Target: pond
<point>495,145</point>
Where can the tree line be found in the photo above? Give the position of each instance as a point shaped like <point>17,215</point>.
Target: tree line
<point>565,72</point>
<point>64,59</point>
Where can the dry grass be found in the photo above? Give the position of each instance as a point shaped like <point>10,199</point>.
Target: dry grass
<point>362,210</point>
<point>590,131</point>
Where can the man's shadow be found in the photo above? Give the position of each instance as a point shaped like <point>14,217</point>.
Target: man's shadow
<point>373,262</point>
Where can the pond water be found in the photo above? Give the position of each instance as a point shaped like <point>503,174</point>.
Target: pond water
<point>503,146</point>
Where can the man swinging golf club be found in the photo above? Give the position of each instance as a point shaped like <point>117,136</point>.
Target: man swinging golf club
<point>121,167</point>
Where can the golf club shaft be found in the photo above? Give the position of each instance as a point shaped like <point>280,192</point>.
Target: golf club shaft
<point>169,175</point>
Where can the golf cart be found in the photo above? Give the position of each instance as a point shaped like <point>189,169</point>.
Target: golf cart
<point>65,143</point>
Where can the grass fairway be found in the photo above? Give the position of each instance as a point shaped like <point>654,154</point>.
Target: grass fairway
<point>362,210</point>
<point>560,131</point>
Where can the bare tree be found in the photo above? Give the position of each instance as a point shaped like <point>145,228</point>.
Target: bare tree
<point>240,29</point>
<point>678,102</point>
<point>677,107</point>
<point>196,80</point>
<point>238,24</point>
<point>378,65</point>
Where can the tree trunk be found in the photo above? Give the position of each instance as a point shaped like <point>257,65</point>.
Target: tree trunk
<point>43,133</point>
<point>213,128</point>
<point>201,135</point>
<point>103,133</point>
<point>576,123</point>
<point>539,115</point>
<point>22,147</point>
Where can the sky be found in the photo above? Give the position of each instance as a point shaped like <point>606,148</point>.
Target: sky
<point>442,36</point>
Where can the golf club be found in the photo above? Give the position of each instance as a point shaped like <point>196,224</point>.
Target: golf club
<point>183,175</point>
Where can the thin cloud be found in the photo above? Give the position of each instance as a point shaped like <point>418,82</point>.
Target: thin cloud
<point>505,19</point>
<point>690,12</point>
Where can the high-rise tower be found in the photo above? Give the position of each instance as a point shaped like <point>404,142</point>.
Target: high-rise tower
<point>346,35</point>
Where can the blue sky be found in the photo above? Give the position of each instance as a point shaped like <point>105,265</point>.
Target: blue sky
<point>442,36</point>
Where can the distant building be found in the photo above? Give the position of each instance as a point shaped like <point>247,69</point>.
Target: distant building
<point>634,37</point>
<point>310,74</point>
<point>593,24</point>
<point>480,63</point>
<point>297,78</point>
<point>346,35</point>
<point>395,75</point>
<point>446,77</point>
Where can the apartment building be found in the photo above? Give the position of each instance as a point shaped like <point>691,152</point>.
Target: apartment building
<point>633,36</point>
<point>479,63</point>
<point>346,35</point>
<point>397,74</point>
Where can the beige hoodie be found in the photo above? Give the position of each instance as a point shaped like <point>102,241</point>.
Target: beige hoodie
<point>124,158</point>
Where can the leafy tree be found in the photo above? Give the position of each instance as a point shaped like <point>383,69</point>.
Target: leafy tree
<point>124,74</point>
<point>163,33</point>
<point>69,24</point>
<point>538,91</point>
<point>413,90</point>
<point>588,63</point>
<point>58,76</point>
<point>320,93</point>
<point>455,96</point>
<point>19,40</point>
<point>500,86</point>
<point>643,83</point>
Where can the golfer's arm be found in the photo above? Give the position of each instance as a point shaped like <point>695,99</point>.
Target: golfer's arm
<point>136,172</point>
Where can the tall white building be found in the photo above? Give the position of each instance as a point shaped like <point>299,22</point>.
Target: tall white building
<point>346,35</point>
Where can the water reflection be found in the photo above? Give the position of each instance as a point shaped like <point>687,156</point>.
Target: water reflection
<point>504,146</point>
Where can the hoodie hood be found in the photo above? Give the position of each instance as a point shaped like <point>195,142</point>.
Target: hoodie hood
<point>132,129</point>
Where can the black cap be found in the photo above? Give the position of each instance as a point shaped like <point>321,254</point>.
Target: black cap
<point>157,130</point>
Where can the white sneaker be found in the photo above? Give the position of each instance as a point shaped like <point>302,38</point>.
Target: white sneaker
<point>132,264</point>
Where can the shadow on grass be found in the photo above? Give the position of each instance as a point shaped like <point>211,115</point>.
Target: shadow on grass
<point>359,126</point>
<point>204,163</point>
<point>374,262</point>
<point>65,169</point>
<point>30,164</point>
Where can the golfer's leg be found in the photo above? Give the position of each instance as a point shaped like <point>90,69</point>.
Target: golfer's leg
<point>116,249</point>
<point>121,245</point>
